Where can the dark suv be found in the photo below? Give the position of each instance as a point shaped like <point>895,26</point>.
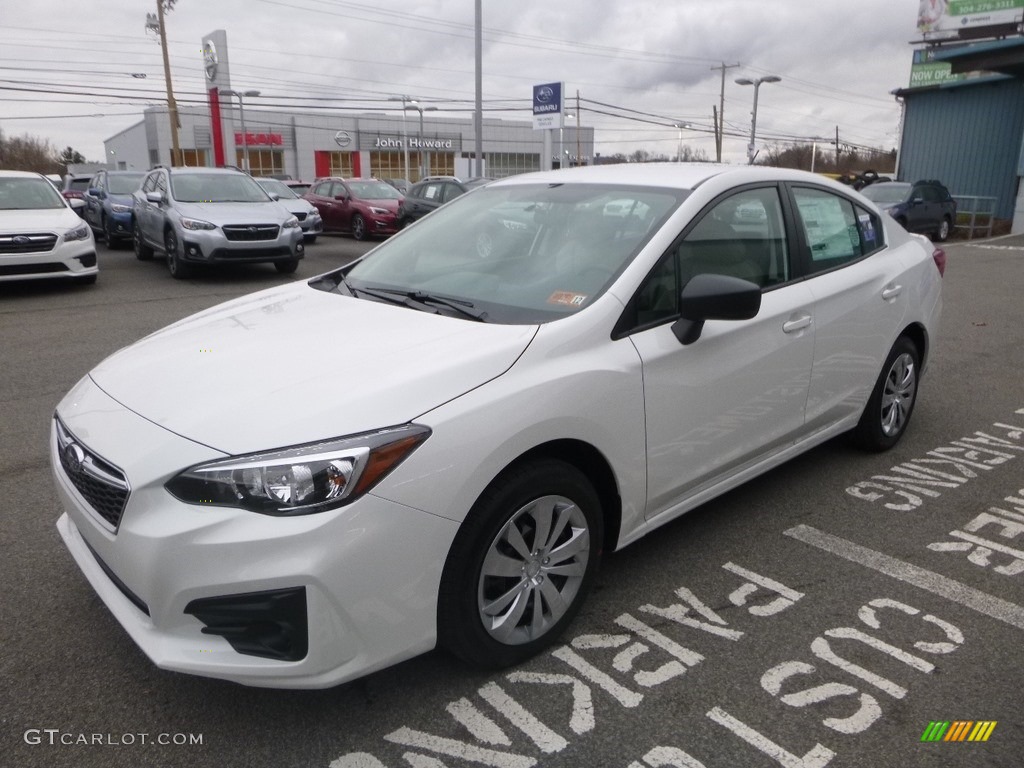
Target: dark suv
<point>924,206</point>
<point>429,194</point>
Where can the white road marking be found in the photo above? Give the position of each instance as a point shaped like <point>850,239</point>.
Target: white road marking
<point>943,586</point>
<point>818,756</point>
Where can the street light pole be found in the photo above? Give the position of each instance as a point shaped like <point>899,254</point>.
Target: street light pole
<point>405,135</point>
<point>424,167</point>
<point>679,152</point>
<point>753,115</point>
<point>241,118</point>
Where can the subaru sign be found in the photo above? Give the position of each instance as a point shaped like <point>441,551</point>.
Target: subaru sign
<point>547,106</point>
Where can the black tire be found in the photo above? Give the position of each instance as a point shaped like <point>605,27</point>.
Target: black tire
<point>142,251</point>
<point>892,400</point>
<point>87,280</point>
<point>358,227</point>
<point>179,269</point>
<point>286,266</point>
<point>310,239</point>
<point>472,621</point>
<point>945,227</point>
<point>108,235</point>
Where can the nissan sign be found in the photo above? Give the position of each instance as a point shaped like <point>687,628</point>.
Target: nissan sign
<point>547,106</point>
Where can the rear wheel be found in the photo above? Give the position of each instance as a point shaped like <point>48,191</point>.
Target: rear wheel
<point>942,233</point>
<point>142,251</point>
<point>891,404</point>
<point>521,564</point>
<point>358,227</point>
<point>179,270</point>
<point>286,266</point>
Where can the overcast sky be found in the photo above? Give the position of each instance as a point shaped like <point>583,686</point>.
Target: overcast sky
<point>69,69</point>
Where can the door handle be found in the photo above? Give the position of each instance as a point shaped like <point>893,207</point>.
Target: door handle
<point>796,324</point>
<point>891,292</point>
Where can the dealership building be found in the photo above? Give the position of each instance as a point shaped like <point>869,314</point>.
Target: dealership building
<point>416,141</point>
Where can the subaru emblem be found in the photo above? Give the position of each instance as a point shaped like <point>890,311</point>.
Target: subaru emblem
<point>22,240</point>
<point>73,457</point>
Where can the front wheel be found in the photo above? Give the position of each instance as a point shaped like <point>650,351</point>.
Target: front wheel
<point>286,266</point>
<point>942,233</point>
<point>358,227</point>
<point>521,564</point>
<point>179,270</point>
<point>142,251</point>
<point>108,234</point>
<point>891,404</point>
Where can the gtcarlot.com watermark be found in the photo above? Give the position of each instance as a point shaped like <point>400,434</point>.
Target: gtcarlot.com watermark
<point>56,737</point>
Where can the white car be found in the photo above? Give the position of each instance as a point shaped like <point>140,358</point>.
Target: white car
<point>303,210</point>
<point>434,444</point>
<point>41,236</point>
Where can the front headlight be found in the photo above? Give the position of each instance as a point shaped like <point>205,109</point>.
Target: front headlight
<point>119,208</point>
<point>301,480</point>
<point>81,232</point>
<point>291,223</point>
<point>195,224</point>
<point>379,211</point>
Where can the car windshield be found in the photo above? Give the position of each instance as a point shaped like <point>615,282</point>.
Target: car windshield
<point>216,188</point>
<point>373,190</point>
<point>80,184</point>
<point>124,184</point>
<point>27,194</point>
<point>517,254</point>
<point>299,189</point>
<point>279,188</point>
<point>886,193</point>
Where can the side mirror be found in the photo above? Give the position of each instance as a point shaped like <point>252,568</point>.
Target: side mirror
<point>341,197</point>
<point>77,204</point>
<point>714,297</point>
<point>154,197</point>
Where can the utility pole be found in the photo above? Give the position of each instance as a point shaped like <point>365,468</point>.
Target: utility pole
<point>837,149</point>
<point>479,112</point>
<point>720,128</point>
<point>172,105</point>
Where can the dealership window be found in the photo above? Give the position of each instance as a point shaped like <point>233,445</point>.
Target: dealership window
<point>339,164</point>
<point>441,164</point>
<point>262,162</point>
<point>501,164</point>
<point>193,158</point>
<point>391,165</point>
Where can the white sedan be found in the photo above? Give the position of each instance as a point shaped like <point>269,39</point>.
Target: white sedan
<point>41,236</point>
<point>434,445</point>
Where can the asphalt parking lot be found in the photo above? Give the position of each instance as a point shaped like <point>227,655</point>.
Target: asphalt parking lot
<point>827,613</point>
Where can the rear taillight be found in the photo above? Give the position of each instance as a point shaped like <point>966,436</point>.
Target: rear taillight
<point>940,260</point>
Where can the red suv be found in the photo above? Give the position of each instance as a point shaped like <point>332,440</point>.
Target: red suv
<point>360,207</point>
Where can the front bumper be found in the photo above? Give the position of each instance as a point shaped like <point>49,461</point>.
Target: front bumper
<point>212,246</point>
<point>74,259</point>
<point>368,572</point>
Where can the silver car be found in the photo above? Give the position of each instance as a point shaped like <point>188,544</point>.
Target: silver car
<point>309,217</point>
<point>212,216</point>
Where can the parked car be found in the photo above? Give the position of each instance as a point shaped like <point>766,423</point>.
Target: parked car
<point>108,204</point>
<point>402,185</point>
<point>41,236</point>
<point>309,218</point>
<point>300,188</point>
<point>433,446</point>
<point>426,196</point>
<point>75,186</point>
<point>924,206</point>
<point>360,207</point>
<point>212,216</point>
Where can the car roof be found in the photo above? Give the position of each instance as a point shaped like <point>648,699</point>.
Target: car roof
<point>20,175</point>
<point>671,175</point>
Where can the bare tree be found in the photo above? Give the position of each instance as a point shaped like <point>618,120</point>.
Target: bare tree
<point>28,153</point>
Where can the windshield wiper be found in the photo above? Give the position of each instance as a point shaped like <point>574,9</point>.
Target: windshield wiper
<point>464,308</point>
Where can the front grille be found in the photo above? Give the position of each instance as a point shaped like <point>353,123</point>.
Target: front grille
<point>300,216</point>
<point>250,232</point>
<point>101,484</point>
<point>13,245</point>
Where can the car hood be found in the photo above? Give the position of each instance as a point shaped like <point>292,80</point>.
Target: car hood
<point>235,213</point>
<point>389,204</point>
<point>120,199</point>
<point>56,220</point>
<point>294,364</point>
<point>296,207</point>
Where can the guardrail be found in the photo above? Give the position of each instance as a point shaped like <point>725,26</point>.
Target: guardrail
<point>974,213</point>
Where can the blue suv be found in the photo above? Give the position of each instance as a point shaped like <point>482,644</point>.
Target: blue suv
<point>108,204</point>
<point>924,206</point>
